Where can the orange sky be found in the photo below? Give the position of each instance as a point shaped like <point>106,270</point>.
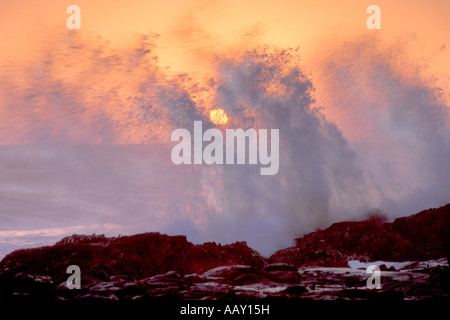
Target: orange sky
<point>215,25</point>
<point>192,33</point>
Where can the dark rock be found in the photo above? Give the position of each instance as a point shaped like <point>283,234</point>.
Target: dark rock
<point>250,278</point>
<point>383,267</point>
<point>139,256</point>
<point>352,282</point>
<point>229,272</point>
<point>283,276</point>
<point>423,290</point>
<point>168,276</point>
<point>295,290</point>
<point>96,296</point>
<point>441,276</point>
<point>83,239</point>
<point>193,278</point>
<point>428,231</point>
<point>391,268</point>
<point>280,267</point>
<point>423,236</point>
<point>154,266</point>
<point>387,295</point>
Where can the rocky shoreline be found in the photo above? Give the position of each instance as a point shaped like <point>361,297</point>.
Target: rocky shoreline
<point>154,266</point>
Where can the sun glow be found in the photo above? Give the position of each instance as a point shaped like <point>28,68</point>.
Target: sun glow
<point>218,117</point>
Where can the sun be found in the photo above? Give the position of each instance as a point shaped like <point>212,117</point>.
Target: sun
<point>218,117</point>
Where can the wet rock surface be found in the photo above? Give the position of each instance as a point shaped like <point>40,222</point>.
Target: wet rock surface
<point>139,256</point>
<point>428,280</point>
<point>422,236</point>
<point>155,266</point>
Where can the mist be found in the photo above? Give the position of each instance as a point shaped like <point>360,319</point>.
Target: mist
<point>86,142</point>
